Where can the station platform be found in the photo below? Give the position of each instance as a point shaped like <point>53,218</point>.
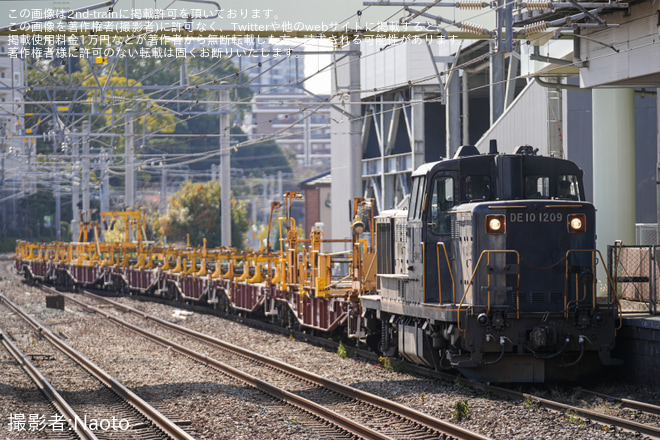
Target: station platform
<point>638,344</point>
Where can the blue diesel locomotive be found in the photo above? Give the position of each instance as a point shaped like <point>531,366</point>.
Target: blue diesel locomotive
<point>492,271</point>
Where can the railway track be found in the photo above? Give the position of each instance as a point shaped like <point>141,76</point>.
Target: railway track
<point>362,414</point>
<point>104,409</point>
<point>530,402</point>
<point>625,403</point>
<point>575,413</point>
<point>44,400</point>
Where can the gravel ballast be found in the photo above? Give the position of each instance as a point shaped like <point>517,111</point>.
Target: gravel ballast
<point>218,407</point>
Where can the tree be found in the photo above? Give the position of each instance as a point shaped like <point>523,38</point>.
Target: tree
<point>37,216</point>
<point>260,158</point>
<point>195,209</point>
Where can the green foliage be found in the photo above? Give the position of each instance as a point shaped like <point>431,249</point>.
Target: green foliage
<point>392,364</point>
<point>458,384</point>
<point>461,410</point>
<point>262,158</point>
<point>342,352</point>
<point>7,244</point>
<point>532,404</point>
<point>572,416</point>
<point>195,210</point>
<point>38,213</point>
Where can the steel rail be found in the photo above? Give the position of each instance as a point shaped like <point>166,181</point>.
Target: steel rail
<point>628,403</point>
<point>278,393</point>
<point>409,413</point>
<point>581,412</point>
<point>49,391</point>
<point>166,425</point>
<point>556,406</point>
<point>546,403</point>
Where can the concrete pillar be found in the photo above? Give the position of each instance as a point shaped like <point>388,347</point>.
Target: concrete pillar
<point>465,93</point>
<point>453,113</point>
<point>497,85</point>
<point>554,103</point>
<point>657,109</point>
<point>346,146</point>
<point>614,166</point>
<point>417,114</point>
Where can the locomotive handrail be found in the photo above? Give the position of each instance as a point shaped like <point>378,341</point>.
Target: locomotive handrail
<point>474,273</point>
<point>609,278</point>
<point>451,273</point>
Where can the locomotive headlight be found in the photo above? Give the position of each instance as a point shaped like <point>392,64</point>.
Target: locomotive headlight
<point>495,224</point>
<point>577,223</point>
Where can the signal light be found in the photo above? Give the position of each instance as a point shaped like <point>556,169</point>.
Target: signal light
<point>577,223</point>
<point>495,224</point>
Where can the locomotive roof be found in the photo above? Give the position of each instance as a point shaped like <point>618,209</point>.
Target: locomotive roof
<point>472,157</point>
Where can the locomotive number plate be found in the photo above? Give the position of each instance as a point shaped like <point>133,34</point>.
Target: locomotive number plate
<point>532,217</point>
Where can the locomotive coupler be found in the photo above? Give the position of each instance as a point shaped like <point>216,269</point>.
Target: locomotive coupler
<point>543,337</point>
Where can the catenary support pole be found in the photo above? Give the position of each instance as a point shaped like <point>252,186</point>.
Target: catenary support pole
<point>225,168</point>
<point>130,164</point>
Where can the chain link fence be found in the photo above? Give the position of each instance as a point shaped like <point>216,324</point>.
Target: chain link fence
<point>635,272</point>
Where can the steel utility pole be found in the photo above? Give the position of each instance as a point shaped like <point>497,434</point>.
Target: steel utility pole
<point>225,168</point>
<point>58,206</point>
<point>162,206</point>
<point>130,164</point>
<point>85,171</point>
<point>75,190</point>
<point>105,183</point>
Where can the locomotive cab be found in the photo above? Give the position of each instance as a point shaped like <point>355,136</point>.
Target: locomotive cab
<point>492,269</point>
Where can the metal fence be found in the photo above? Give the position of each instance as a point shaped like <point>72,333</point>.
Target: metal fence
<point>635,271</point>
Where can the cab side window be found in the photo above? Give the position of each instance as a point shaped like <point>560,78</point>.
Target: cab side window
<point>417,198</point>
<point>537,187</point>
<point>442,201</point>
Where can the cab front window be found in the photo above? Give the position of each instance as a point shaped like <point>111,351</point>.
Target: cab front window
<point>537,187</point>
<point>568,187</point>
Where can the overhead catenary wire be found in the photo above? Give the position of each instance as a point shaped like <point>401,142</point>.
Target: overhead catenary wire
<point>240,145</point>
